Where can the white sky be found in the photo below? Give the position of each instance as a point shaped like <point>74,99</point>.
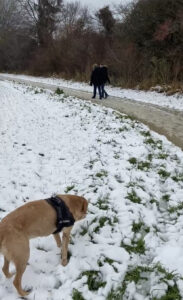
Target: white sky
<point>96,4</point>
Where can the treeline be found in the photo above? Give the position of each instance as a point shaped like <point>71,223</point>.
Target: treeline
<point>142,43</point>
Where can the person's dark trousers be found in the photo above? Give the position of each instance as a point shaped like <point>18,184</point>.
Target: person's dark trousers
<point>95,87</point>
<point>104,94</point>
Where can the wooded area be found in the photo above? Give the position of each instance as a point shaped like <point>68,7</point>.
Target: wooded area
<point>142,43</point>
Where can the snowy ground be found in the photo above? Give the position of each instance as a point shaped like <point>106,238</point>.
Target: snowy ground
<point>160,99</point>
<point>130,244</point>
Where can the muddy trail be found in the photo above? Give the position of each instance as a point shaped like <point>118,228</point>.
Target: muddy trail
<point>160,119</point>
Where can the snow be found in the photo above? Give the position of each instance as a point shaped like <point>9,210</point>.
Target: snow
<point>56,144</point>
<point>155,98</point>
<point>172,256</point>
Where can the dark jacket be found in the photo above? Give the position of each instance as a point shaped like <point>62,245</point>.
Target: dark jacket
<point>96,76</point>
<point>104,75</point>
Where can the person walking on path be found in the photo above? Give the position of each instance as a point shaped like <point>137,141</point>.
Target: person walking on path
<point>95,80</point>
<point>104,79</point>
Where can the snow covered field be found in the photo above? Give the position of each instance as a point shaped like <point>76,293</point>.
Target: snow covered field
<point>173,102</point>
<point>130,246</point>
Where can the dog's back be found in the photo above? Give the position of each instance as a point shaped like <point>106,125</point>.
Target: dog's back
<point>33,219</point>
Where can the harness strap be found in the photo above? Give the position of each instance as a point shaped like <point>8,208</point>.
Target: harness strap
<point>64,216</point>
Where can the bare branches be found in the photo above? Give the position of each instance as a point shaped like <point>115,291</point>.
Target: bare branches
<point>140,42</point>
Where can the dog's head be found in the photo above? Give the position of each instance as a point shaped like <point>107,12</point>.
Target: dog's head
<point>77,205</point>
<point>81,206</point>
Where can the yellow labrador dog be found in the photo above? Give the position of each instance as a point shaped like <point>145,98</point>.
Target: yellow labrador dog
<point>36,219</point>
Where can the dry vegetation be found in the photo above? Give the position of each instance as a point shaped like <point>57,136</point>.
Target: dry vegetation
<point>141,43</point>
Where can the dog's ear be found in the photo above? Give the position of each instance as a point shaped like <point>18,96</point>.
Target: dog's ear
<point>84,206</point>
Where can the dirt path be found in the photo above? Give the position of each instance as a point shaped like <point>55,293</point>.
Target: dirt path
<point>162,120</point>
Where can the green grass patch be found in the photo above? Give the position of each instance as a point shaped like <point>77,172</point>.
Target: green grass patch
<point>137,247</point>
<point>155,144</point>
<point>84,230</point>
<point>133,275</point>
<point>117,294</point>
<point>172,293</point>
<point>174,209</point>
<point>132,196</point>
<point>133,161</point>
<point>141,274</point>
<point>166,197</point>
<point>153,201</point>
<point>167,275</point>
<point>145,133</point>
<point>89,109</point>
<point>163,173</point>
<point>94,280</point>
<point>115,220</point>
<point>136,227</point>
<point>38,91</point>
<point>135,184</point>
<point>143,165</point>
<point>58,91</point>
<point>76,295</point>
<point>101,174</point>
<point>150,157</point>
<point>162,156</point>
<point>69,188</point>
<point>150,141</point>
<point>124,128</point>
<point>178,177</point>
<point>102,203</point>
<point>140,227</point>
<point>107,260</point>
<point>102,221</point>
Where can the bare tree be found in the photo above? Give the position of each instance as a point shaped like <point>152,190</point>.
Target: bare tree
<point>15,36</point>
<point>74,17</point>
<point>9,12</point>
<point>44,15</point>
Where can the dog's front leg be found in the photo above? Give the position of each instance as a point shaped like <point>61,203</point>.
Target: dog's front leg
<point>65,242</point>
<point>57,239</point>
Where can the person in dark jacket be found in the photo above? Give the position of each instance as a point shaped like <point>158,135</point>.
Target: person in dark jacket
<point>95,80</point>
<point>104,79</point>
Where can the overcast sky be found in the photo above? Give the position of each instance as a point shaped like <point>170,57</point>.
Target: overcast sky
<point>96,4</point>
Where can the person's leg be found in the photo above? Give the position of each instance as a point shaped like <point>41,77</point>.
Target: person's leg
<point>100,91</point>
<point>105,93</point>
<point>94,91</point>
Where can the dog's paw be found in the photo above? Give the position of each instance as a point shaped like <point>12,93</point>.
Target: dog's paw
<point>24,293</point>
<point>64,262</point>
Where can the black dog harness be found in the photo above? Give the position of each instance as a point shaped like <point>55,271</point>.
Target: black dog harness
<point>64,216</point>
